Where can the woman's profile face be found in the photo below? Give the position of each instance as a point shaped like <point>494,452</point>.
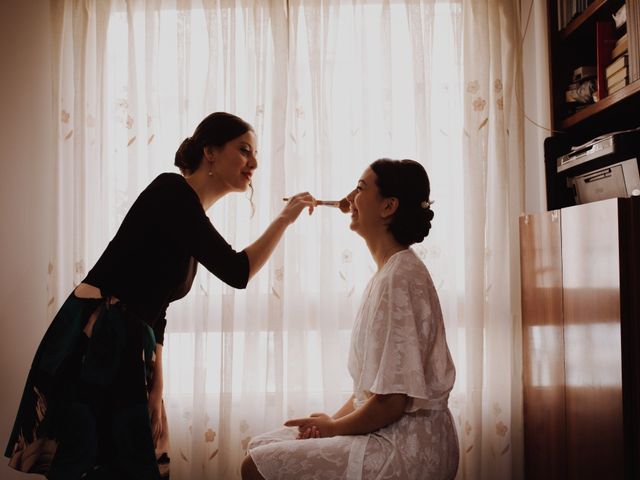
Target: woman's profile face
<point>235,162</point>
<point>366,204</point>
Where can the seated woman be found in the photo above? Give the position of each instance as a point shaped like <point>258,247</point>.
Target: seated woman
<point>397,423</point>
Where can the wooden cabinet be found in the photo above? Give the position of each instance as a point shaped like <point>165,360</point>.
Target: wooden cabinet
<point>580,270</point>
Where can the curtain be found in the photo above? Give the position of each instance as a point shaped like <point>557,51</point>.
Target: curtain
<point>329,86</point>
<point>492,171</point>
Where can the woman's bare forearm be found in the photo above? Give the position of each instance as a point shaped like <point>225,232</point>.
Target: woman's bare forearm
<point>260,250</point>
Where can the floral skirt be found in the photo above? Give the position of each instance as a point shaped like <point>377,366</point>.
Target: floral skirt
<point>84,411</point>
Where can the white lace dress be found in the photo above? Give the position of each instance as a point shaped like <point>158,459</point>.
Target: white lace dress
<point>398,345</point>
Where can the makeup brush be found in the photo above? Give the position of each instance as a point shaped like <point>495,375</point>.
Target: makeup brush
<point>343,204</point>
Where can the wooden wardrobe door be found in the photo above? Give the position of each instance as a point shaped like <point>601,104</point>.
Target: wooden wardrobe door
<point>543,346</point>
<point>592,343</point>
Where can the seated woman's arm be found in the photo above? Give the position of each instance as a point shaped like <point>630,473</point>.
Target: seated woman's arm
<point>345,409</point>
<point>378,412</point>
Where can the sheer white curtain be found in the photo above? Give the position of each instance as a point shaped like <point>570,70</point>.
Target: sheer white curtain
<point>493,199</point>
<point>329,86</point>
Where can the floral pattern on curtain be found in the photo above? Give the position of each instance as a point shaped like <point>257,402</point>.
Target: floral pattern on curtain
<point>329,86</point>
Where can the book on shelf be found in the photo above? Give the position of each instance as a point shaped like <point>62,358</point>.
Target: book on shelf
<point>616,65</point>
<point>618,85</point>
<point>621,46</point>
<point>567,10</point>
<point>617,76</point>
<point>633,31</point>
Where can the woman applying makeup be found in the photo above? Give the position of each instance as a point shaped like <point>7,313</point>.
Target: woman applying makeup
<point>92,406</point>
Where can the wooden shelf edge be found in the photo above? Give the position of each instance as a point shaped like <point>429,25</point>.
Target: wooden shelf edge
<point>582,18</point>
<point>595,108</point>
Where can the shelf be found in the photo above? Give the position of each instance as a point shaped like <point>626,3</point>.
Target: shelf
<point>581,19</point>
<point>609,101</point>
<point>585,41</point>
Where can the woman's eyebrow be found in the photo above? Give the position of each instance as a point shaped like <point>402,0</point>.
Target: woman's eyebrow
<point>362,181</point>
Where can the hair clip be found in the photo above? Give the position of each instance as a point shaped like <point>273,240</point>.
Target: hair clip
<point>426,204</point>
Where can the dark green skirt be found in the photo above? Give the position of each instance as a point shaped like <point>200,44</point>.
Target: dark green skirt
<point>84,411</point>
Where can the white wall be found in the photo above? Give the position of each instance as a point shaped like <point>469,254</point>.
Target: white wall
<point>26,196</point>
<point>536,102</point>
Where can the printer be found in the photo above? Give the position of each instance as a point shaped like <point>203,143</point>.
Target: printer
<point>605,167</point>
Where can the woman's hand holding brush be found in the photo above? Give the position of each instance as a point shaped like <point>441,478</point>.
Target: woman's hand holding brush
<point>296,204</point>
<point>343,204</point>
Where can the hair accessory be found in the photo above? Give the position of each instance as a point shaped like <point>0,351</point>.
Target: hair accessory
<point>425,204</point>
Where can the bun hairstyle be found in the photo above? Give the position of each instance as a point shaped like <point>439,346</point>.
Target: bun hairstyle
<point>407,181</point>
<point>215,130</point>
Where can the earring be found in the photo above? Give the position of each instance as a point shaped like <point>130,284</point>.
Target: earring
<point>210,172</point>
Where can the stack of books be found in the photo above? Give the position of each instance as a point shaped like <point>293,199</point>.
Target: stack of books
<point>618,74</point>
<point>633,30</point>
<point>618,70</point>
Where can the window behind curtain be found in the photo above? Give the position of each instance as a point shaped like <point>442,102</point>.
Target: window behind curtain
<point>329,89</point>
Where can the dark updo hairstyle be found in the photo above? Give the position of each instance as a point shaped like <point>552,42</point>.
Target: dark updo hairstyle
<point>407,181</point>
<point>215,130</point>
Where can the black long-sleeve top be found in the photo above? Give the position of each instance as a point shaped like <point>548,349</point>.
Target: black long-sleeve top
<point>152,259</point>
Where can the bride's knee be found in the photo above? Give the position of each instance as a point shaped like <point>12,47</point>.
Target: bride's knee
<point>249,471</point>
